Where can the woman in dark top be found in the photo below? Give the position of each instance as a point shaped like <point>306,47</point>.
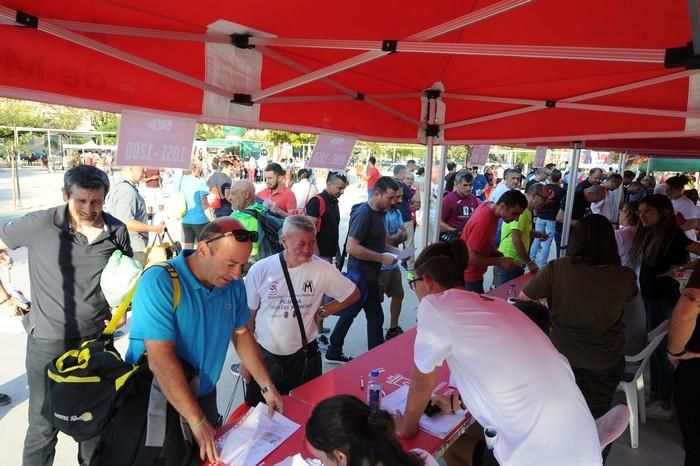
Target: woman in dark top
<point>589,333</point>
<point>661,248</point>
<point>684,352</point>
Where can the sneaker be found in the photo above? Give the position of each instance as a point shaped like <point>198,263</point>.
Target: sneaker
<point>337,358</point>
<point>409,275</point>
<point>393,332</point>
<point>656,411</point>
<point>323,343</point>
<point>5,399</point>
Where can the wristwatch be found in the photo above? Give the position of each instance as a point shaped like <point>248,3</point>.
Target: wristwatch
<point>322,312</point>
<point>677,355</point>
<point>266,388</point>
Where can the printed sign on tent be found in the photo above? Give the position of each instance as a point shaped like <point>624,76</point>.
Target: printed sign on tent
<point>155,140</point>
<point>331,151</point>
<point>480,155</point>
<point>540,155</point>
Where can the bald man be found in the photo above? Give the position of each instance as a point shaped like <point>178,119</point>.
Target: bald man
<point>212,310</point>
<point>242,197</point>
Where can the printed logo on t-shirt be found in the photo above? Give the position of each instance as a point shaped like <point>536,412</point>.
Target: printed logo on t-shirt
<point>308,286</point>
<point>273,289</point>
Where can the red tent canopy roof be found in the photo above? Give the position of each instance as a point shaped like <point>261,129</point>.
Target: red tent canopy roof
<point>498,72</point>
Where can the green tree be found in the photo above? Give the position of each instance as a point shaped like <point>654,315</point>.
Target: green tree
<point>206,131</point>
<point>60,117</point>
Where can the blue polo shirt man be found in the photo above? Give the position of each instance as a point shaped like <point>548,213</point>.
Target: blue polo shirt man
<point>201,325</point>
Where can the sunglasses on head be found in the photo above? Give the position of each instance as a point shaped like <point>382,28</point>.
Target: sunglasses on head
<point>241,236</point>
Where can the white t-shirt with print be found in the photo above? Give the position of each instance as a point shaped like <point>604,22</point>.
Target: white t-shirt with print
<point>276,327</point>
<point>688,210</point>
<point>510,377</point>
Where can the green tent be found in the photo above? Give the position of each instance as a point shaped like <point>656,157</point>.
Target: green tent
<point>656,164</point>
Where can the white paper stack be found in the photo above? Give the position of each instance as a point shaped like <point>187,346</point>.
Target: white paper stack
<point>255,437</point>
<point>439,425</point>
<point>298,460</point>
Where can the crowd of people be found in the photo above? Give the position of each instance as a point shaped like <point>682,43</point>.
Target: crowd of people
<point>262,268</point>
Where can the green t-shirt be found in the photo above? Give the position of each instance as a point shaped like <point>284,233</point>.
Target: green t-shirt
<point>249,222</point>
<point>522,224</point>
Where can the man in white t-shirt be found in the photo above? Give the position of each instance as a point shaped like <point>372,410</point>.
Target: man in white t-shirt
<point>273,318</point>
<point>507,371</point>
<point>512,180</point>
<point>606,207</point>
<point>686,212</point>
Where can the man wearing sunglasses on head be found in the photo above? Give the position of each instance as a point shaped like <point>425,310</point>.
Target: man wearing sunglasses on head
<point>212,310</point>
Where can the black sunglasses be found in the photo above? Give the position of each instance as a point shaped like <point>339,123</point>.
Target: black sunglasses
<point>241,236</point>
<point>412,283</point>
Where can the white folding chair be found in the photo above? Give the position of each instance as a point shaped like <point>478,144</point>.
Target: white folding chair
<point>612,424</point>
<point>633,381</point>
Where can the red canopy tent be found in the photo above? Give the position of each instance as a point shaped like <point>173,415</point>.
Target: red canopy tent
<point>613,75</point>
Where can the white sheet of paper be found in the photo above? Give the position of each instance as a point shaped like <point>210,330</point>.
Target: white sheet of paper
<point>255,437</point>
<point>400,254</point>
<point>298,460</point>
<point>439,425</point>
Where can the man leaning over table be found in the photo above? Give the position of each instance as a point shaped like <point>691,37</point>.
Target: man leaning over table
<point>273,318</point>
<point>212,311</point>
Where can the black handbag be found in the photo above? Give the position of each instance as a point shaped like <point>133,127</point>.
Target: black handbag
<point>309,359</point>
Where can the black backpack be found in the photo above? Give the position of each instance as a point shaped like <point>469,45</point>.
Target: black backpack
<point>269,232</point>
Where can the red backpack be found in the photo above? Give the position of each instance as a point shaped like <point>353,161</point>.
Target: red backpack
<point>321,210</point>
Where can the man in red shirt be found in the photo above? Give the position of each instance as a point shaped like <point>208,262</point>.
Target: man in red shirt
<point>479,234</point>
<point>281,199</point>
<point>372,175</point>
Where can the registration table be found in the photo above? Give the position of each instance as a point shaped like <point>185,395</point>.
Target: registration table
<point>394,359</point>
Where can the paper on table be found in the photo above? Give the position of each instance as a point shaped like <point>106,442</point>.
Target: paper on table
<point>298,460</point>
<point>400,254</point>
<point>439,425</point>
<point>255,437</point>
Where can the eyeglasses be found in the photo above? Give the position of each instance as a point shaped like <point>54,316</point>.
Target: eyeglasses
<point>240,235</point>
<point>412,283</point>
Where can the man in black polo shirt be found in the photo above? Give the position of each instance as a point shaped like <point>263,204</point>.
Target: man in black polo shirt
<point>326,217</point>
<point>366,246</point>
<point>68,246</point>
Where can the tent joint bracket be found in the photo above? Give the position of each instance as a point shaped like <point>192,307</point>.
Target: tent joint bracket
<point>242,99</point>
<point>684,57</point>
<point>550,103</point>
<point>360,96</point>
<point>433,93</point>
<point>25,19</point>
<point>389,45</point>
<point>242,41</point>
<point>432,131</point>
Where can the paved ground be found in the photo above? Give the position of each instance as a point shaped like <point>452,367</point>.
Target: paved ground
<point>659,441</point>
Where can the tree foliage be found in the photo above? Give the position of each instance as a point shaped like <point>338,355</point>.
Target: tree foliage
<point>206,131</point>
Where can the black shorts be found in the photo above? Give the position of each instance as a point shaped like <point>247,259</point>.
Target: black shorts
<point>191,231</point>
<point>483,456</point>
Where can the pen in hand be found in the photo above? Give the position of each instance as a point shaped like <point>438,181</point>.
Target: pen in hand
<point>362,383</point>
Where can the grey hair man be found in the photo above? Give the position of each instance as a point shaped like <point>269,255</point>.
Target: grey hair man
<point>286,334</point>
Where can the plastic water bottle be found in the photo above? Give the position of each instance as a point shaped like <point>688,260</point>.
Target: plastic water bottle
<point>490,437</point>
<point>512,294</point>
<point>374,390</point>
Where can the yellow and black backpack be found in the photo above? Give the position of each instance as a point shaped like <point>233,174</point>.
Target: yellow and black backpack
<point>83,385</point>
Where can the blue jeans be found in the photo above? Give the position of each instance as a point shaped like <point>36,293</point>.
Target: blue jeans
<point>547,227</point>
<point>661,368</point>
<point>504,275</point>
<point>373,313</point>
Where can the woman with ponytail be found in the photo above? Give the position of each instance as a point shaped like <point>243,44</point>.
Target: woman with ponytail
<point>505,368</point>
<point>343,431</point>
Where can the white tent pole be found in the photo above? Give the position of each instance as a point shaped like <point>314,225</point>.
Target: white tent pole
<point>694,14</point>
<point>619,193</point>
<point>48,27</point>
<point>435,227</point>
<point>570,191</point>
<point>425,218</point>
<point>431,33</point>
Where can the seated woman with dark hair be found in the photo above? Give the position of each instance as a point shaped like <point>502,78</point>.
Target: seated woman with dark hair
<point>343,431</point>
<point>586,292</point>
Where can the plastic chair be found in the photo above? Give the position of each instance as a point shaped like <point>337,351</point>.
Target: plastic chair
<point>612,424</point>
<point>633,381</point>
